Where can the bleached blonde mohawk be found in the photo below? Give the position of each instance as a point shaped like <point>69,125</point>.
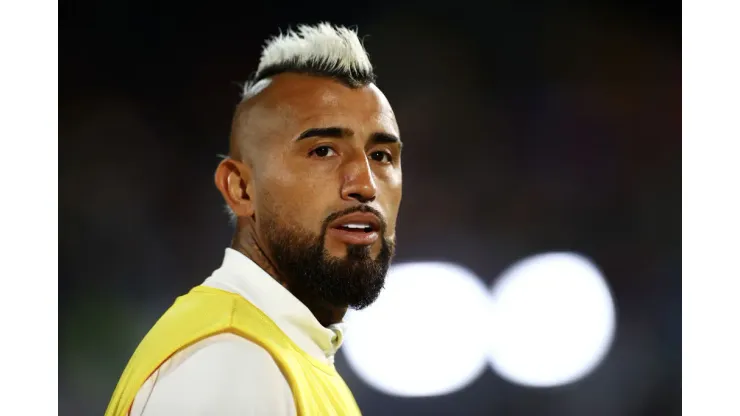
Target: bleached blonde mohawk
<point>322,50</point>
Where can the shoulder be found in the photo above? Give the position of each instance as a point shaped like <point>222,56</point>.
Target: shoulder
<point>224,374</point>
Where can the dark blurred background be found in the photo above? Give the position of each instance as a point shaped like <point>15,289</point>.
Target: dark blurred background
<point>528,128</point>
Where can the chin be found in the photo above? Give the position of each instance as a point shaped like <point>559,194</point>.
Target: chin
<point>354,252</point>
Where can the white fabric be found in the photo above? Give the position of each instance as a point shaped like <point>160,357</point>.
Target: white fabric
<point>229,375</point>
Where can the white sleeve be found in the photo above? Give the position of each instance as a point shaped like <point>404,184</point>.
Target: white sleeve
<point>224,375</point>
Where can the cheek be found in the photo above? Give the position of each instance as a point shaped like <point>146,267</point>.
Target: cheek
<point>391,205</point>
<point>295,201</point>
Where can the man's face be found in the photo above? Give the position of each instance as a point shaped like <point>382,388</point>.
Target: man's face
<point>327,186</point>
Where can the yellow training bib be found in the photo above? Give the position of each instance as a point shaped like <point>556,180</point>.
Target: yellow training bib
<point>204,312</point>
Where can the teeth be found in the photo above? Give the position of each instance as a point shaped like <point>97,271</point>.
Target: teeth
<point>357,226</point>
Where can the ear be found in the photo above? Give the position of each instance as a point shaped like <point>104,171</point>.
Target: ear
<point>232,180</point>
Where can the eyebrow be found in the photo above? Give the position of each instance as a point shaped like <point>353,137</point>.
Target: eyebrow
<point>335,132</point>
<point>342,132</point>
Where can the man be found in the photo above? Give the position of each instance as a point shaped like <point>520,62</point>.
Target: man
<point>313,183</point>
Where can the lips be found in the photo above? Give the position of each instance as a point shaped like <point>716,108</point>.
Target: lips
<point>358,221</point>
<point>359,228</point>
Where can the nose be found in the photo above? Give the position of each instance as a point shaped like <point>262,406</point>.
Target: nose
<point>359,182</point>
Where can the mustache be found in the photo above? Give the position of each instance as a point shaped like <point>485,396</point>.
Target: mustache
<point>351,210</point>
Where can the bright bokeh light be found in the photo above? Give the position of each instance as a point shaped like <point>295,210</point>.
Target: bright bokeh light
<point>423,336</point>
<point>553,320</point>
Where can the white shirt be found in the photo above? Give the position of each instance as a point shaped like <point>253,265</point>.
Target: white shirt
<point>229,375</point>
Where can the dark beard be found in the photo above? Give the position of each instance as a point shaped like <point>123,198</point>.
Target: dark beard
<point>313,275</point>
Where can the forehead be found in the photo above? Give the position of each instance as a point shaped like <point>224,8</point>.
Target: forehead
<point>301,100</point>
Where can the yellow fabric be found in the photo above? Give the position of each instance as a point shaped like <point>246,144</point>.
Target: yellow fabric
<point>204,312</point>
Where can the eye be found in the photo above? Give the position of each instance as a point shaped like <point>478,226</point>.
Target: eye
<point>381,156</point>
<point>323,151</point>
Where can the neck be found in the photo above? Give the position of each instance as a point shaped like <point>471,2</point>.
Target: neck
<point>246,242</point>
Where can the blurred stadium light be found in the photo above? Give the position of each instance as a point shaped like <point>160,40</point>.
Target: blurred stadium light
<point>550,321</point>
<point>554,320</point>
<point>423,336</point>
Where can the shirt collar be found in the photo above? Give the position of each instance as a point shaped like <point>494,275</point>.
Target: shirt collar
<point>239,274</point>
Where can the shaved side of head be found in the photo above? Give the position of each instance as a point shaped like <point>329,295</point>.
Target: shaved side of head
<point>246,128</point>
